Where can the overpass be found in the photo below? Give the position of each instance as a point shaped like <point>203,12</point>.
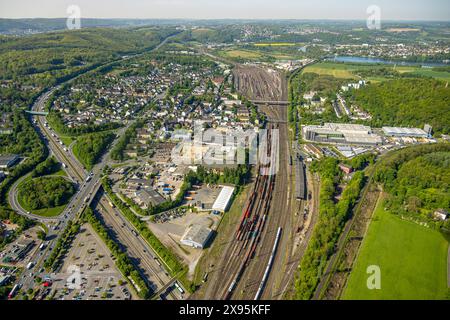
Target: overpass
<point>37,113</point>
<point>276,103</point>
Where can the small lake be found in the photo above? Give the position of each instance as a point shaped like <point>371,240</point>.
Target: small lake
<point>371,60</point>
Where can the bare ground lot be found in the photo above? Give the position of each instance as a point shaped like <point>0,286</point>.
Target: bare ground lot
<point>171,231</point>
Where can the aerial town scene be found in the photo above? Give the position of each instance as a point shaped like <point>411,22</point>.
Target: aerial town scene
<point>224,153</point>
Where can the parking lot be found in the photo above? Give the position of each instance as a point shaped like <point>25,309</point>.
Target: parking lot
<point>89,272</point>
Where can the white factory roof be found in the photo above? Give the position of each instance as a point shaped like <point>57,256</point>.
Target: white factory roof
<point>404,131</point>
<point>347,127</point>
<point>223,200</point>
<point>196,236</point>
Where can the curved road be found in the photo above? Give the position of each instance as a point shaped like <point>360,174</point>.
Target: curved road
<point>88,185</point>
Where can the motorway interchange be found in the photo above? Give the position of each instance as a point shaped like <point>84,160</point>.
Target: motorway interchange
<point>249,277</point>
<point>88,186</point>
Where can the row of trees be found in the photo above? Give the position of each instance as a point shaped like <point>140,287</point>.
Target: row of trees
<point>117,153</point>
<point>332,218</point>
<point>176,267</point>
<point>122,261</point>
<point>62,246</point>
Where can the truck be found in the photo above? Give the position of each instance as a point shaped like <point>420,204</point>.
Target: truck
<point>179,288</point>
<point>13,291</point>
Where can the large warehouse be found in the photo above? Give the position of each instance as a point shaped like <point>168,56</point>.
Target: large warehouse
<point>196,236</point>
<point>341,133</point>
<point>405,132</point>
<point>223,200</point>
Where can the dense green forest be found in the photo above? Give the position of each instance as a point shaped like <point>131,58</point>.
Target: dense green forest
<point>332,218</point>
<point>417,180</point>
<point>89,148</point>
<point>45,192</point>
<point>407,102</point>
<point>49,166</point>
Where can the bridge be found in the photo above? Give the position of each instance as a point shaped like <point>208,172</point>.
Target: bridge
<point>278,103</point>
<point>37,113</point>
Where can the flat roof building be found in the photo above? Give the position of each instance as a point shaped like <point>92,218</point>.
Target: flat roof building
<point>8,160</point>
<point>341,133</point>
<point>196,236</point>
<point>223,200</point>
<point>405,132</point>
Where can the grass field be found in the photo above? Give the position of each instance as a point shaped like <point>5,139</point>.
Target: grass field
<point>240,54</point>
<point>337,70</point>
<point>67,140</point>
<point>412,260</point>
<point>346,71</point>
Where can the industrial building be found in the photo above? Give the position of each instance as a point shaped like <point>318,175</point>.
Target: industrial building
<point>196,236</point>
<point>223,200</point>
<point>8,160</point>
<point>407,132</point>
<point>341,133</point>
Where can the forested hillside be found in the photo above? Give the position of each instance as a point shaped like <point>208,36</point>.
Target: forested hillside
<point>417,180</point>
<point>30,63</point>
<point>407,102</point>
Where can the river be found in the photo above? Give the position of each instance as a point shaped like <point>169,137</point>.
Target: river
<point>371,60</point>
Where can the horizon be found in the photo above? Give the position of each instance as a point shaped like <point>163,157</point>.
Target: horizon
<point>226,19</point>
<point>348,10</point>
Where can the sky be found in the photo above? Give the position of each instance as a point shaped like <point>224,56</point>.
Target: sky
<point>229,9</point>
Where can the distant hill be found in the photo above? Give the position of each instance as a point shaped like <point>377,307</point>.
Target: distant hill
<point>38,25</point>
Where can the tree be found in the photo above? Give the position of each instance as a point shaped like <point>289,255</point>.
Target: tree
<point>41,235</point>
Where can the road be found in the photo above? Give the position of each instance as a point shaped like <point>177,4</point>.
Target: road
<point>88,184</point>
<point>135,246</point>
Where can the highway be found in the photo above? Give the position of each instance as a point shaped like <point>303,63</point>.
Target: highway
<point>135,246</point>
<point>88,184</point>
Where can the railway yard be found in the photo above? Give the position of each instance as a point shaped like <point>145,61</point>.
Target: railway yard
<point>273,229</point>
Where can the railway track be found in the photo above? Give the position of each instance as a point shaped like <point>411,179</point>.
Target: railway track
<point>248,233</point>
